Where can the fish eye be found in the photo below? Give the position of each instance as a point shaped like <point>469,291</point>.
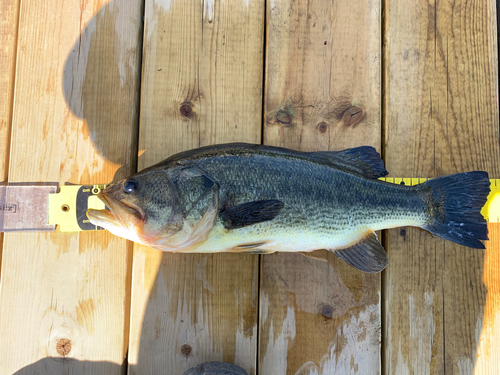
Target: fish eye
<point>130,186</point>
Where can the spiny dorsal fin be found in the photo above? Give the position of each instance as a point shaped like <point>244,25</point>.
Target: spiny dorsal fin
<point>367,255</point>
<point>364,160</point>
<point>250,213</point>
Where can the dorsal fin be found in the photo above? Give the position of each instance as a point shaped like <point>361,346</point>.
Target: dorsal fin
<point>364,160</point>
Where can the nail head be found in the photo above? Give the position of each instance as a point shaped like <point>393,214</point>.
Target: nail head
<point>327,311</point>
<point>322,127</point>
<point>186,110</point>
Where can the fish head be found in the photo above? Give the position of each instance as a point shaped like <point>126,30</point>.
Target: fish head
<point>168,210</point>
<point>140,208</point>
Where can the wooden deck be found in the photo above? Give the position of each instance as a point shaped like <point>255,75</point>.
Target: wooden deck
<point>90,91</point>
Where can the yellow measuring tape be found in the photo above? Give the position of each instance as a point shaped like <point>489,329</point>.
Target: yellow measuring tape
<point>68,208</point>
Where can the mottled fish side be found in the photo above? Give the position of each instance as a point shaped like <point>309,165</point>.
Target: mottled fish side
<point>253,198</point>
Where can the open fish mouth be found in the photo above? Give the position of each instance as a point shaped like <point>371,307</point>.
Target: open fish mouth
<point>117,214</point>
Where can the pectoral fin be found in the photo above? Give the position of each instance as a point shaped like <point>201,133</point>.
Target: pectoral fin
<point>250,213</point>
<point>367,255</point>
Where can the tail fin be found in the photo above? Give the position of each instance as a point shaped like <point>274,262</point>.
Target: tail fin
<point>457,203</point>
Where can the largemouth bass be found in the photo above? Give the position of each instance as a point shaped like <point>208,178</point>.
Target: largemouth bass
<point>259,199</point>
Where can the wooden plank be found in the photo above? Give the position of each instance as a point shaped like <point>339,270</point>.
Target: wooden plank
<point>322,93</point>
<point>64,297</point>
<point>441,117</point>
<point>487,359</point>
<point>202,84</point>
<point>9,16</point>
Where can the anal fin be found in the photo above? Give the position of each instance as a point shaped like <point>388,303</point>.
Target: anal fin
<point>367,255</point>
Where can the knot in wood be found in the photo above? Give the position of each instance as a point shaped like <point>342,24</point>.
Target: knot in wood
<point>186,349</point>
<point>352,116</point>
<point>284,117</point>
<point>327,311</point>
<point>63,347</point>
<point>186,110</point>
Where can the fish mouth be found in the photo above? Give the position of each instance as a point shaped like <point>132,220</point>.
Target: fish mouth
<point>118,213</point>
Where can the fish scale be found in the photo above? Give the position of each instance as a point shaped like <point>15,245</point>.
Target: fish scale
<point>315,195</point>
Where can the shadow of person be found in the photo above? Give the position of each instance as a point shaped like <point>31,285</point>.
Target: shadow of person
<point>60,366</point>
<point>102,79</point>
<point>101,82</point>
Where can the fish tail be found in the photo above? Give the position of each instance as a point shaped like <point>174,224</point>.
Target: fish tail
<point>457,201</point>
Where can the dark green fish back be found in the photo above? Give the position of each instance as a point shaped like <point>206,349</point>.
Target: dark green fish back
<point>364,160</point>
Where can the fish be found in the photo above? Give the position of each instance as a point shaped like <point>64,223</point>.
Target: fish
<point>247,198</point>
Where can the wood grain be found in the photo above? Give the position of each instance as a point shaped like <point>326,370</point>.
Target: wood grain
<point>64,297</point>
<point>488,346</point>
<point>441,117</point>
<point>9,16</point>
<point>202,84</point>
<point>322,93</point>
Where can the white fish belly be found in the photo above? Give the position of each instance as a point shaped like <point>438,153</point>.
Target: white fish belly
<point>265,238</point>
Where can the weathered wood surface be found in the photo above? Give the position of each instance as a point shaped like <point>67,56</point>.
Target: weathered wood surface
<point>201,84</point>
<point>9,14</point>
<point>441,117</point>
<point>74,119</point>
<point>322,92</point>
<point>66,296</point>
<point>488,342</point>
